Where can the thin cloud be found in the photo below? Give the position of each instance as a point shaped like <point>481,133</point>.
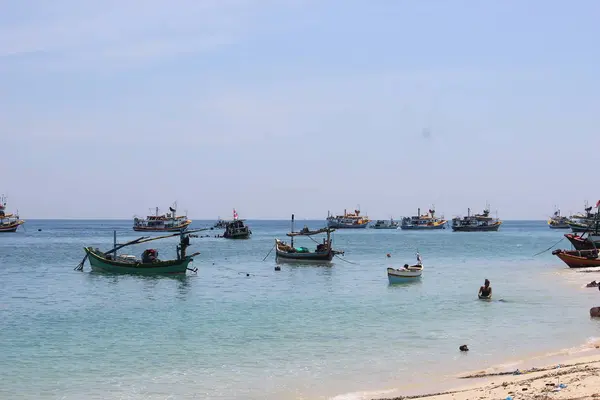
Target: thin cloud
<point>72,34</point>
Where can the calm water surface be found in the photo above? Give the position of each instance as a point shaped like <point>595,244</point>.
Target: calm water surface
<point>305,332</point>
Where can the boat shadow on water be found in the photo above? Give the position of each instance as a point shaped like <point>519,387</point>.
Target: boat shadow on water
<point>413,282</point>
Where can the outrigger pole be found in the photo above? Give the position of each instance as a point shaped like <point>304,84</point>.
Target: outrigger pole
<point>143,239</point>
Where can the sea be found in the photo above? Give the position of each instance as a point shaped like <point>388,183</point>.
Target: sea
<point>239,329</point>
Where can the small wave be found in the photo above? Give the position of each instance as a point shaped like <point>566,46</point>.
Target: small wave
<point>362,395</point>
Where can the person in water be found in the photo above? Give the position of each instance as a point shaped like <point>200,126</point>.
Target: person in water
<point>486,289</point>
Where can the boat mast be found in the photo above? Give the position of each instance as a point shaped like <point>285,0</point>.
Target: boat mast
<point>292,240</point>
<point>115,244</point>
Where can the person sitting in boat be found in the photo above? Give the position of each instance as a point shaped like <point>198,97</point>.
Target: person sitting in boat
<point>485,290</point>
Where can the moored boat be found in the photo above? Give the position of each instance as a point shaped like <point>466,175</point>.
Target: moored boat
<point>583,221</point>
<point>324,251</point>
<point>236,228</point>
<point>583,241</point>
<point>384,224</point>
<point>588,239</point>
<point>348,220</point>
<point>168,222</point>
<point>423,222</point>
<point>8,222</point>
<point>558,221</point>
<point>220,224</point>
<point>148,264</point>
<point>579,258</point>
<point>406,273</point>
<point>476,223</point>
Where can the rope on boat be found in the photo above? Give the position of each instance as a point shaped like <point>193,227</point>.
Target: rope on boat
<point>243,273</point>
<point>349,262</point>
<point>269,252</point>
<point>543,251</point>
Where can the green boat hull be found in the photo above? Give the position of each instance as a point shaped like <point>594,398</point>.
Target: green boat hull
<point>169,267</point>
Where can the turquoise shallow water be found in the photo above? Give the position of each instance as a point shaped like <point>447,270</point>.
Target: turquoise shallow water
<point>305,332</point>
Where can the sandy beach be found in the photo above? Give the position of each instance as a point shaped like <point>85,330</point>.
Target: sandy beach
<point>577,378</point>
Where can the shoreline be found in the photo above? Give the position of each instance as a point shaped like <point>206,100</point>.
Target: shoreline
<point>571,377</point>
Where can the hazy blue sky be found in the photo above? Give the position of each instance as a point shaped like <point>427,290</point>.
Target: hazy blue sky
<point>108,108</point>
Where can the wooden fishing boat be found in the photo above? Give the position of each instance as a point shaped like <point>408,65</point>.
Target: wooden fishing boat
<point>169,222</point>
<point>8,222</point>
<point>558,221</point>
<point>476,223</point>
<point>236,228</point>
<point>583,221</point>
<point>149,263</point>
<point>583,242</point>
<point>579,258</point>
<point>220,224</point>
<point>590,238</point>
<point>348,220</point>
<point>423,222</point>
<point>324,251</point>
<point>407,273</point>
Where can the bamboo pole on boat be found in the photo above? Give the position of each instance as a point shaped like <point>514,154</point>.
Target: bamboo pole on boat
<point>171,235</point>
<point>143,239</point>
<point>115,248</point>
<point>292,230</point>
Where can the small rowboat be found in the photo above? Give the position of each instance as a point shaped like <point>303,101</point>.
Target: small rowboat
<point>405,274</point>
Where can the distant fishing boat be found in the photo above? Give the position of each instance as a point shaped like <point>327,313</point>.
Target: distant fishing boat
<point>148,264</point>
<point>236,229</point>
<point>557,221</point>
<point>384,224</point>
<point>169,222</point>
<point>406,273</point>
<point>476,223</point>
<point>8,222</point>
<point>581,222</point>
<point>348,220</point>
<point>588,239</point>
<point>220,224</point>
<point>324,251</point>
<point>579,258</point>
<point>423,222</point>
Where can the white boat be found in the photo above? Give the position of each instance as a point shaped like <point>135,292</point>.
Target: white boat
<point>383,224</point>
<point>406,273</point>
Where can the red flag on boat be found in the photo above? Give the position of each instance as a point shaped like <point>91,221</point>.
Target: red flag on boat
<point>597,203</point>
<point>235,214</point>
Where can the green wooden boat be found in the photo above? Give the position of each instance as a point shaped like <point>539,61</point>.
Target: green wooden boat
<point>101,262</point>
<point>148,264</point>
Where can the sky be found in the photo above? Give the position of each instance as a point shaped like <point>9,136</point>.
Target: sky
<point>108,109</point>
